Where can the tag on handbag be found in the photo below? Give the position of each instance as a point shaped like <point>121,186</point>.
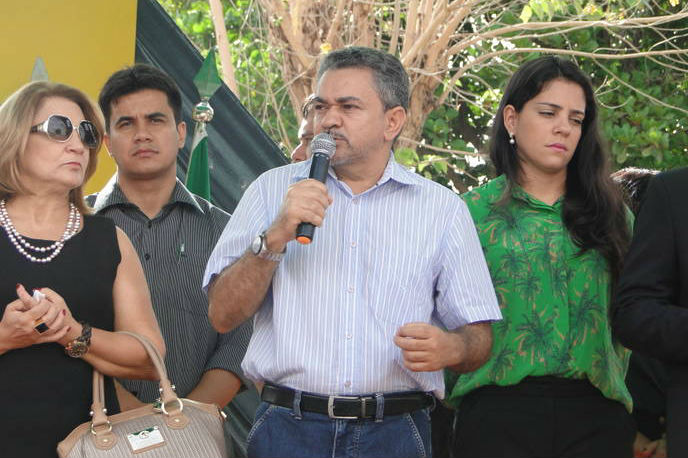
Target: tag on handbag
<point>145,439</point>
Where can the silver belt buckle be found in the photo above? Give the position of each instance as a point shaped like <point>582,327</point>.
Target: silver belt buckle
<point>330,407</point>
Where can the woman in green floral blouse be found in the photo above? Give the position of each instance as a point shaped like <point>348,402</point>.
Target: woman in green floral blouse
<point>554,231</point>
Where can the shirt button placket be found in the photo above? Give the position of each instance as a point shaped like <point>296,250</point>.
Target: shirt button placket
<point>353,254</point>
<point>146,239</point>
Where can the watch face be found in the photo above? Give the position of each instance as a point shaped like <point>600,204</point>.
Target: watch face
<point>256,244</point>
<point>77,349</point>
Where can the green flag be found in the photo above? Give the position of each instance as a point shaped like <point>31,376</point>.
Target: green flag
<point>198,173</point>
<point>207,81</point>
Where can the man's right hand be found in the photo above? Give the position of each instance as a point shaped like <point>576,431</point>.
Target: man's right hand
<point>305,202</point>
<point>238,292</point>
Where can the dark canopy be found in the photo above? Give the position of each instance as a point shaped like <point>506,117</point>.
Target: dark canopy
<point>239,149</point>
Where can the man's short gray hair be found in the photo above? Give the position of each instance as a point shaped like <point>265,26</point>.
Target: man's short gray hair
<point>390,77</point>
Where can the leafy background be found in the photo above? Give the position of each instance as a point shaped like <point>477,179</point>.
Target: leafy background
<point>643,101</point>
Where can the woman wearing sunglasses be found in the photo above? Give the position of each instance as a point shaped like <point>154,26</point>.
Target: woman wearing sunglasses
<point>67,279</point>
<point>554,231</point>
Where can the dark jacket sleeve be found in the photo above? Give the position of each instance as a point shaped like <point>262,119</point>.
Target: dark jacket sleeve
<point>648,316</point>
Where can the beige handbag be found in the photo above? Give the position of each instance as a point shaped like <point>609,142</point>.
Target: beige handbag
<point>174,428</point>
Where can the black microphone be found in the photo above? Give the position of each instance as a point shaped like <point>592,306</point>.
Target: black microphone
<point>322,148</point>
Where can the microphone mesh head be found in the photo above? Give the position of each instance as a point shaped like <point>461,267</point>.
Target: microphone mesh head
<point>323,143</point>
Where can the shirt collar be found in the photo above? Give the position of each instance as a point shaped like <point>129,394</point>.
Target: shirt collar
<point>399,173</point>
<point>112,195</point>
<point>393,171</point>
<point>302,169</point>
<point>518,193</point>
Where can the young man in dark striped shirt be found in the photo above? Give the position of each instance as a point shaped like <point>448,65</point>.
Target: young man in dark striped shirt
<point>173,231</point>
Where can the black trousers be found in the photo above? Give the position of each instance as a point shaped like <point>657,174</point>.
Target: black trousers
<point>542,417</point>
<point>442,418</point>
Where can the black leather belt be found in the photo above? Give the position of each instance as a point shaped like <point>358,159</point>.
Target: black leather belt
<point>348,407</point>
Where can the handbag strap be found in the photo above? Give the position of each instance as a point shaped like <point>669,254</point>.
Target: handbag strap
<point>167,394</point>
<point>171,405</point>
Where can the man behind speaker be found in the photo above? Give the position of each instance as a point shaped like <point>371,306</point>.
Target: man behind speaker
<point>173,232</point>
<point>347,334</point>
<point>305,134</point>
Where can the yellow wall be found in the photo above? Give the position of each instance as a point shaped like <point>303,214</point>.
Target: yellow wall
<point>82,42</point>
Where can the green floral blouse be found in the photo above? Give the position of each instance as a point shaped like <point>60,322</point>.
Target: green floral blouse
<point>553,299</point>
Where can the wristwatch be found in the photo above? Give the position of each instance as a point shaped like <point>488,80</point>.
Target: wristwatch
<point>259,248</point>
<point>79,346</point>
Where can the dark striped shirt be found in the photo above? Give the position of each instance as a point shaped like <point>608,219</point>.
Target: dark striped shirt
<point>174,248</point>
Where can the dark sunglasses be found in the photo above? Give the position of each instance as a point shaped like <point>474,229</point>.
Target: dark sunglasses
<point>60,128</point>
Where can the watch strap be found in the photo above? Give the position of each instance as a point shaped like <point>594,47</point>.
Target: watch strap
<point>265,253</point>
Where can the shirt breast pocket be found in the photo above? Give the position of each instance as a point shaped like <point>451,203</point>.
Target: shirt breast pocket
<point>406,298</point>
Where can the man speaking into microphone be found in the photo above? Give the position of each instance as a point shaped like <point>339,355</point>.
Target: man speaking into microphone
<point>352,330</point>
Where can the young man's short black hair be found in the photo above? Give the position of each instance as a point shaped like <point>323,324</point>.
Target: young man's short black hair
<point>136,78</point>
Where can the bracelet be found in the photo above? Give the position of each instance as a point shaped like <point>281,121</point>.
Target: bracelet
<point>79,346</point>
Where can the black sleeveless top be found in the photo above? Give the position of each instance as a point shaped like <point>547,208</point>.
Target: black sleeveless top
<point>44,393</point>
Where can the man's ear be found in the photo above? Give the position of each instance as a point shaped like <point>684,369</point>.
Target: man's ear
<point>181,133</point>
<point>510,117</point>
<point>395,118</point>
<point>106,142</point>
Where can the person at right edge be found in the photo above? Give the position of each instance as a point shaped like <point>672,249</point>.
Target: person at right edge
<point>646,378</point>
<point>651,307</point>
<point>554,230</point>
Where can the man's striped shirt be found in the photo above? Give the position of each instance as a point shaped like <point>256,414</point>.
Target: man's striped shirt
<point>404,251</point>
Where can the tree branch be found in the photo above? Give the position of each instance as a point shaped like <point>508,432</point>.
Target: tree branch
<point>336,21</point>
<point>570,52</point>
<point>411,29</point>
<point>394,42</point>
<point>624,23</point>
<point>455,152</point>
<point>424,38</point>
<point>644,94</point>
<point>218,18</point>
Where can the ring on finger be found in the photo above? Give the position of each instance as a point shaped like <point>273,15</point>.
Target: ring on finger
<point>40,326</point>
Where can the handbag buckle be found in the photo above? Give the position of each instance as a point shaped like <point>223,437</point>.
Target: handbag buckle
<point>106,430</point>
<point>164,409</point>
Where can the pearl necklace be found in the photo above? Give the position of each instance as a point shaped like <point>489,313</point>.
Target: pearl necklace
<point>22,245</point>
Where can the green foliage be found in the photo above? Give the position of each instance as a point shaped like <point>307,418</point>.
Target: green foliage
<point>641,131</point>
<point>256,69</point>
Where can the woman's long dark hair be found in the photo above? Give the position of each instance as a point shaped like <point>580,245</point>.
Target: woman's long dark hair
<point>593,210</point>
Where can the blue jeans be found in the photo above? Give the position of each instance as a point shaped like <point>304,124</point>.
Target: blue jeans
<point>279,432</point>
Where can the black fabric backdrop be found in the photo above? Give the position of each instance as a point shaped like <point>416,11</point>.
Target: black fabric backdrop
<point>238,148</point>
